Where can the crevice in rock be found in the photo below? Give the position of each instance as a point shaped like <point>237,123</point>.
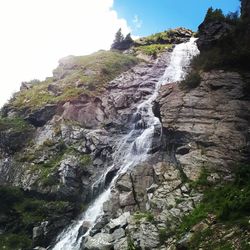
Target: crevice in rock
<point>156,110</point>
<point>133,191</point>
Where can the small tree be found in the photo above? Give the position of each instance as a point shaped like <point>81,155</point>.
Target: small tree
<point>214,15</point>
<point>128,38</point>
<point>118,39</point>
<point>121,43</point>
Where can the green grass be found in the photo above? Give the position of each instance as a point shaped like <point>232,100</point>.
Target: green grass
<point>232,50</point>
<point>153,49</point>
<point>147,215</point>
<point>192,80</point>
<point>14,125</point>
<point>85,160</point>
<point>157,38</point>
<point>14,242</point>
<point>165,37</point>
<point>131,244</point>
<point>230,202</point>
<point>21,212</point>
<point>103,65</point>
<point>202,181</point>
<point>206,239</point>
<point>15,133</point>
<point>163,235</point>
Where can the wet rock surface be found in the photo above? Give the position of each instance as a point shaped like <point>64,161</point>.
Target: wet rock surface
<point>207,126</point>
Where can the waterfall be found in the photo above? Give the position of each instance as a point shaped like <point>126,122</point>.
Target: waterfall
<point>133,147</point>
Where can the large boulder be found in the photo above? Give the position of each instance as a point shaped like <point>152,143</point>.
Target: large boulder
<point>210,32</point>
<point>101,241</point>
<point>40,117</point>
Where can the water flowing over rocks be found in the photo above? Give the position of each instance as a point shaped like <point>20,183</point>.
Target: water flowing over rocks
<point>136,189</point>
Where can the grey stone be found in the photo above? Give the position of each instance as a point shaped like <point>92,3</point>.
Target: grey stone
<point>119,222</point>
<point>99,241</point>
<point>118,234</point>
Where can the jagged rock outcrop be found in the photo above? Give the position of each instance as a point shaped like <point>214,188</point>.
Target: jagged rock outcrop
<point>211,32</point>
<point>209,124</point>
<point>206,127</point>
<point>245,9</point>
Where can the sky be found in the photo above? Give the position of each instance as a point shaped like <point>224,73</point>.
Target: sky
<point>35,34</point>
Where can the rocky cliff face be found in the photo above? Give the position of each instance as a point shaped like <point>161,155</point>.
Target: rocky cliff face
<point>205,128</point>
<point>58,151</point>
<point>209,124</point>
<point>58,137</point>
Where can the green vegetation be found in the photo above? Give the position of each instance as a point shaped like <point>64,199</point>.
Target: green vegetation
<point>77,75</point>
<point>208,241</point>
<point>156,43</point>
<point>14,124</point>
<point>231,51</point>
<point>131,244</point>
<point>202,181</point>
<point>153,49</point>
<point>192,81</point>
<point>147,215</point>
<point>55,152</point>
<point>20,212</point>
<point>46,170</point>
<point>14,133</point>
<point>230,202</point>
<point>14,242</point>
<point>85,160</point>
<point>165,37</point>
<point>217,15</point>
<point>121,43</point>
<point>163,235</point>
<point>214,15</point>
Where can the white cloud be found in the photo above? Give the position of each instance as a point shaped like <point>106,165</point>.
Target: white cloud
<point>35,34</point>
<point>137,22</point>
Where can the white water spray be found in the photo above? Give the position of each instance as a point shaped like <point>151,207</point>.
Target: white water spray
<point>134,147</point>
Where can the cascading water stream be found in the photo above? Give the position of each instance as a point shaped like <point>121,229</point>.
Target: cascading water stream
<point>133,147</point>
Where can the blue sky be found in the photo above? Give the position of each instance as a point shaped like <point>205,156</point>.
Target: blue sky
<point>149,16</point>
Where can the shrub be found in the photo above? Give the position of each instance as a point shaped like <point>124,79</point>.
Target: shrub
<point>232,50</point>
<point>192,81</point>
<point>147,215</point>
<point>14,242</point>
<point>9,197</point>
<point>20,212</point>
<point>214,15</point>
<point>163,235</point>
<point>15,124</point>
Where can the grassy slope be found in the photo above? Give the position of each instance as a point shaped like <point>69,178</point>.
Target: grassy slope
<point>82,75</point>
<point>20,213</point>
<point>229,203</point>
